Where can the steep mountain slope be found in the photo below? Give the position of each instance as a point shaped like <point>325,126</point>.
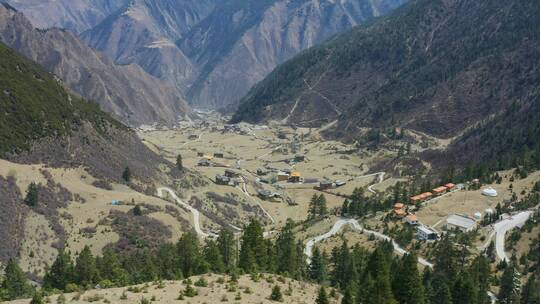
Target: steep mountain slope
<point>215,50</point>
<point>74,15</point>
<point>127,91</point>
<point>243,41</point>
<point>433,66</point>
<point>40,122</point>
<point>144,32</point>
<point>507,140</point>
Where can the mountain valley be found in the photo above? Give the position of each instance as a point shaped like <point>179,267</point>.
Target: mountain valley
<point>293,151</point>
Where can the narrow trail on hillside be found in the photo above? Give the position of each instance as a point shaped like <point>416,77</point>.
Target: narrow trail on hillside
<point>247,194</point>
<point>328,101</point>
<point>381,179</point>
<point>196,214</point>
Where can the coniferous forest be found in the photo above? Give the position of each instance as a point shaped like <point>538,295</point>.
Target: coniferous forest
<point>362,276</point>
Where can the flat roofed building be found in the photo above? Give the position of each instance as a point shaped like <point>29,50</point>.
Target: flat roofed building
<point>222,180</point>
<point>231,173</point>
<point>424,233</point>
<point>461,223</point>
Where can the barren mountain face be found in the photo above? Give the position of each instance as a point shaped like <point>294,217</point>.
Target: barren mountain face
<point>215,51</point>
<point>73,15</point>
<point>125,90</point>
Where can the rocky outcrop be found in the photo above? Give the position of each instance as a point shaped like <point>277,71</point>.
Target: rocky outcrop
<point>127,91</point>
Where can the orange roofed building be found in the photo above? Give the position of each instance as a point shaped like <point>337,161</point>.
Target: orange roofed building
<point>411,219</point>
<point>440,190</point>
<point>295,177</point>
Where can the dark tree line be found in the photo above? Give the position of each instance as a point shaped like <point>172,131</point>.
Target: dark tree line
<point>381,277</point>
<point>363,276</point>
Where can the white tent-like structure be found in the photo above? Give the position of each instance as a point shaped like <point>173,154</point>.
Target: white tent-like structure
<point>490,192</point>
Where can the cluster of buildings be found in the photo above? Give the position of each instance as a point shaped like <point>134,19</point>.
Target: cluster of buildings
<point>229,178</point>
<point>284,175</point>
<point>207,160</point>
<point>434,193</point>
<point>328,184</point>
<point>422,232</point>
<point>454,222</point>
<point>267,194</point>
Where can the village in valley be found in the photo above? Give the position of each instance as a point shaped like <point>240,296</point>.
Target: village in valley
<point>282,170</point>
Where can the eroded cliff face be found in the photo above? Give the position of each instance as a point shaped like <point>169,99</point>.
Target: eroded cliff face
<point>145,32</point>
<point>127,91</point>
<point>74,15</point>
<point>215,51</point>
<point>284,29</point>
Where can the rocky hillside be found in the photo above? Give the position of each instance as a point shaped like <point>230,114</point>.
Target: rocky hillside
<point>127,91</point>
<point>243,41</point>
<point>433,66</point>
<point>73,15</point>
<point>40,122</point>
<point>144,32</point>
<point>214,51</point>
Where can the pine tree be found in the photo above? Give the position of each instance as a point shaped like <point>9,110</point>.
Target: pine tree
<point>86,273</point>
<point>407,285</point>
<point>480,272</point>
<point>531,291</point>
<point>490,251</point>
<point>321,204</point>
<point>347,297</point>
<point>60,273</point>
<point>313,211</point>
<point>137,211</point>
<point>442,294</point>
<point>110,268</point>
<point>317,268</point>
<point>167,263</point>
<point>15,284</point>
<point>189,254</point>
<point>380,291</point>
<point>126,175</point>
<point>510,286</point>
<point>446,258</point>
<point>179,163</point>
<point>32,195</point>
<point>287,258</point>
<point>253,250</point>
<point>276,294</point>
<point>322,297</point>
<point>213,257</point>
<point>227,248</point>
<point>464,291</point>
<point>37,298</point>
<point>345,207</point>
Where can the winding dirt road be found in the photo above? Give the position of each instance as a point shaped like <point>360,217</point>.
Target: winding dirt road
<point>503,226</point>
<point>196,214</point>
<point>308,251</point>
